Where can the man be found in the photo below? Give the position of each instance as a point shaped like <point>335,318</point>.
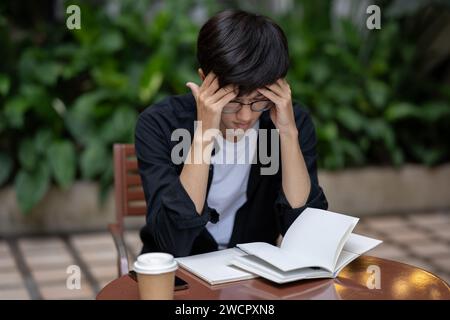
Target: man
<point>203,205</point>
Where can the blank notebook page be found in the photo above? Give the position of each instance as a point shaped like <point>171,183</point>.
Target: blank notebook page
<point>215,267</point>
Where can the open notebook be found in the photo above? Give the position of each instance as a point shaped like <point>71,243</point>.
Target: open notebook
<point>318,244</point>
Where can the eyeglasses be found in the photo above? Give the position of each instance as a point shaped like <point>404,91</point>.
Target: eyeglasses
<point>256,106</point>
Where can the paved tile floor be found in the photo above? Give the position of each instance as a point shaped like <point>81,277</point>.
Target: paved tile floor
<point>37,267</point>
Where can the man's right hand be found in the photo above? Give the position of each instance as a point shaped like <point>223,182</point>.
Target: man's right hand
<point>211,99</point>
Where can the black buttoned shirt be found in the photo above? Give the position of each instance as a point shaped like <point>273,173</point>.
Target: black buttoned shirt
<point>172,223</point>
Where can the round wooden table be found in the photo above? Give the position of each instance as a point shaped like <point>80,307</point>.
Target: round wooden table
<point>359,280</point>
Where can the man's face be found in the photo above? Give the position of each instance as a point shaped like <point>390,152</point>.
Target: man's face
<point>245,118</point>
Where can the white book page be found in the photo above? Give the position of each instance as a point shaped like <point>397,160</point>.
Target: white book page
<point>257,266</point>
<point>318,237</point>
<point>355,246</point>
<point>215,267</point>
<point>344,259</point>
<point>275,256</point>
<point>359,244</point>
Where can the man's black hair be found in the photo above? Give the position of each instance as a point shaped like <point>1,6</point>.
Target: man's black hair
<point>245,49</point>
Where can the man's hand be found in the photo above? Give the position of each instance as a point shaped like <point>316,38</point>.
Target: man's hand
<point>283,114</point>
<point>210,100</point>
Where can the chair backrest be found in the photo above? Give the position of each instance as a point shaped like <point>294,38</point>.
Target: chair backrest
<point>130,199</point>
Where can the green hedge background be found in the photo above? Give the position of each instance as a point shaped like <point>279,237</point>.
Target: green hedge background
<point>379,97</point>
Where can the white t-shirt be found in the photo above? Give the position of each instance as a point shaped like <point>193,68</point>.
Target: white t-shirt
<point>228,192</point>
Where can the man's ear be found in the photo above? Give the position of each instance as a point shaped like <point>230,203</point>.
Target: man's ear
<point>201,74</point>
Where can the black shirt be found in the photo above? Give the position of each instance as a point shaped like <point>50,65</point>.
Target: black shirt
<point>173,224</point>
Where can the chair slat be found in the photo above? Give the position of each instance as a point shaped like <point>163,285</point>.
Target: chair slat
<point>131,165</point>
<point>129,150</point>
<point>133,180</point>
<point>136,211</point>
<point>135,195</point>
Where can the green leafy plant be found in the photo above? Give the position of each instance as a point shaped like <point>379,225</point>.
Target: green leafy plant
<point>67,96</point>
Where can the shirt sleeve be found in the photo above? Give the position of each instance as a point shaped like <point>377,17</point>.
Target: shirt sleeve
<point>172,218</point>
<point>316,199</point>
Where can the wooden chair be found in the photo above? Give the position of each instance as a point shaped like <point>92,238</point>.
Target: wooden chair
<point>129,198</point>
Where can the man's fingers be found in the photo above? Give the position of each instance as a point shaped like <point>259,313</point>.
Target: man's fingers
<point>270,95</point>
<point>209,79</point>
<point>230,95</point>
<point>276,88</point>
<point>194,88</point>
<point>224,91</point>
<point>212,88</point>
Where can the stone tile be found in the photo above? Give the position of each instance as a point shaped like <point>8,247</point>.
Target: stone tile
<point>60,292</point>
<point>430,219</point>
<point>46,251</point>
<point>368,232</point>
<point>131,259</point>
<point>442,234</point>
<point>416,262</point>
<point>44,244</point>
<point>132,236</point>
<point>14,294</point>
<point>440,227</point>
<point>4,248</point>
<point>134,242</point>
<point>430,249</point>
<point>7,262</point>
<point>103,283</point>
<point>10,279</point>
<point>92,240</point>
<point>445,277</point>
<point>386,222</point>
<point>442,263</point>
<point>387,251</point>
<point>51,275</point>
<point>95,257</point>
<point>48,260</point>
<point>406,234</point>
<point>108,272</point>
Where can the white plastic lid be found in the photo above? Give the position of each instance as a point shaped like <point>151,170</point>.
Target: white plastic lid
<point>155,263</point>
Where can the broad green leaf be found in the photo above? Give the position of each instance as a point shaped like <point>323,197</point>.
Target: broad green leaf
<point>351,119</point>
<point>378,93</point>
<point>401,110</point>
<point>152,77</point>
<point>109,42</point>
<point>42,140</point>
<point>327,132</point>
<point>80,119</point>
<point>120,126</point>
<point>31,186</point>
<point>4,85</point>
<point>319,71</point>
<point>14,111</point>
<point>5,167</point>
<point>28,155</point>
<point>353,151</point>
<point>48,72</point>
<point>433,111</point>
<point>62,160</point>
<point>106,182</point>
<point>94,160</point>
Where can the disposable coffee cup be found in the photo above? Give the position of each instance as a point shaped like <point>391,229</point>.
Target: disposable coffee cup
<point>156,275</point>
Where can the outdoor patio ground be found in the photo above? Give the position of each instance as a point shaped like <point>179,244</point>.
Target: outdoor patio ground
<point>35,267</point>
